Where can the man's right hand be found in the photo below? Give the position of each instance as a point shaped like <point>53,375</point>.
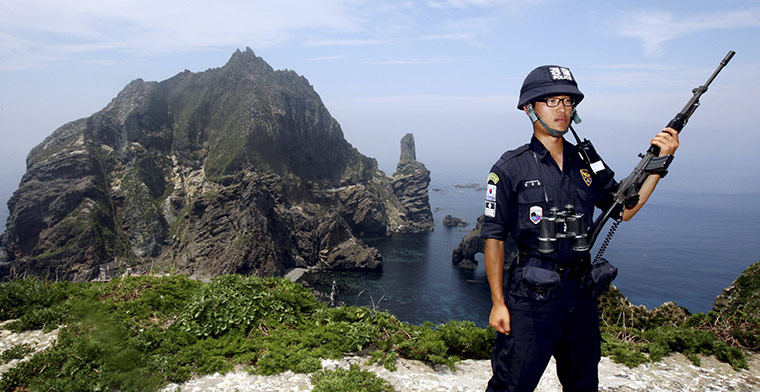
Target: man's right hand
<point>499,319</point>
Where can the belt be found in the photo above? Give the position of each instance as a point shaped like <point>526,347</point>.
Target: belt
<point>574,268</point>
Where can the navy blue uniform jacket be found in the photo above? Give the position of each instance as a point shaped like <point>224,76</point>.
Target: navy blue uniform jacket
<point>524,183</point>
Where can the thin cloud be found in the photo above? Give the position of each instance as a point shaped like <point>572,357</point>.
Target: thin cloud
<point>651,67</point>
<point>469,38</point>
<point>328,58</point>
<point>432,103</point>
<point>346,42</point>
<point>39,29</point>
<point>37,33</point>
<point>465,4</point>
<point>468,30</point>
<point>417,60</point>
<point>645,77</point>
<point>655,28</point>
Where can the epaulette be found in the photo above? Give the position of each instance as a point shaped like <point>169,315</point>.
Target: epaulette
<point>512,154</point>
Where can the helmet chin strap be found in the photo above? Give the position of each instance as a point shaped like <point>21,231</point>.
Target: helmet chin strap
<point>534,117</point>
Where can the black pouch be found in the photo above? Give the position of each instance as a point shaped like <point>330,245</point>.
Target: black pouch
<point>541,282</point>
<point>602,274</point>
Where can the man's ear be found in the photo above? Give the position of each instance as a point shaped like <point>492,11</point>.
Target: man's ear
<point>531,113</point>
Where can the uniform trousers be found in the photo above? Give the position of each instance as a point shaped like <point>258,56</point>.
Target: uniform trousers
<point>566,327</point>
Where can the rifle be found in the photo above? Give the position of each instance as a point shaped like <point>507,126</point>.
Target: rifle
<point>650,164</point>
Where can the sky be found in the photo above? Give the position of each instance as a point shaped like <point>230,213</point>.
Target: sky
<point>448,71</point>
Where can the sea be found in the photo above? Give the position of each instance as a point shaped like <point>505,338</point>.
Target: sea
<point>681,247</point>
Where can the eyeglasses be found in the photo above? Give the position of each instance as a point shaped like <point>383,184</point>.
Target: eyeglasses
<point>554,102</point>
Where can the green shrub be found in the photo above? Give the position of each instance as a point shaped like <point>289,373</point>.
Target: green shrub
<point>386,359</point>
<point>234,302</point>
<point>426,344</point>
<point>84,358</point>
<point>351,380</point>
<point>692,342</point>
<point>146,298</point>
<point>18,351</point>
<point>37,304</point>
<point>633,347</point>
<point>465,339</point>
<point>280,356</point>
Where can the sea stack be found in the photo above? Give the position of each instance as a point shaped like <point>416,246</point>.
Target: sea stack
<point>410,185</point>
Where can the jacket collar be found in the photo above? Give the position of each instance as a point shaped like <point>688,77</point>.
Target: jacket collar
<point>541,150</point>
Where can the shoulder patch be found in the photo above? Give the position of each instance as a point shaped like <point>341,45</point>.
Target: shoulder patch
<point>493,178</point>
<point>586,176</point>
<point>490,210</point>
<point>491,192</point>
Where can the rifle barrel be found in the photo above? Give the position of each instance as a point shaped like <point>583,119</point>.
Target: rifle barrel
<point>723,63</point>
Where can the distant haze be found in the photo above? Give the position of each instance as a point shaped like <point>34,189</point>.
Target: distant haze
<point>448,71</point>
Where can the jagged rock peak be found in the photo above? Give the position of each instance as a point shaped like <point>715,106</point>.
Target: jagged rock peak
<point>248,58</point>
<point>408,151</point>
<point>247,63</point>
<point>235,169</point>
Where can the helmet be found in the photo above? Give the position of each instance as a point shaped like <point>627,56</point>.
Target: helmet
<point>548,80</point>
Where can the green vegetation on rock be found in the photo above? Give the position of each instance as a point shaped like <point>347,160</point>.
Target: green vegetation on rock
<point>633,335</point>
<point>353,379</point>
<point>140,333</point>
<point>18,351</point>
<point>743,296</point>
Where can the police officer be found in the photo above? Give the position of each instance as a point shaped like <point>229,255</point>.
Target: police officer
<point>548,309</point>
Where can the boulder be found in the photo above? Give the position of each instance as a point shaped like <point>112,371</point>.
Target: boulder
<point>452,221</point>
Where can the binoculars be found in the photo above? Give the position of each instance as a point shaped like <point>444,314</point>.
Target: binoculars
<point>562,224</point>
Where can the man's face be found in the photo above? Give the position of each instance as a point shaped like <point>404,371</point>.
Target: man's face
<point>557,117</point>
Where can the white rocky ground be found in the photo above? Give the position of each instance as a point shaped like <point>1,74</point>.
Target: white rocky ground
<point>37,339</point>
<point>674,373</point>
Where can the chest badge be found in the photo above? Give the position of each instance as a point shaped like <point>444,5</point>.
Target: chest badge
<point>536,213</point>
<point>586,176</point>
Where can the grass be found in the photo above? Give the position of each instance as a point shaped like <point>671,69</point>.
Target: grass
<point>140,333</point>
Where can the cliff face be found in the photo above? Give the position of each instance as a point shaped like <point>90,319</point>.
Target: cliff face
<point>236,169</point>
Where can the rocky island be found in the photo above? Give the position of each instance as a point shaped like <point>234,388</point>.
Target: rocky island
<point>453,221</point>
<point>238,169</point>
